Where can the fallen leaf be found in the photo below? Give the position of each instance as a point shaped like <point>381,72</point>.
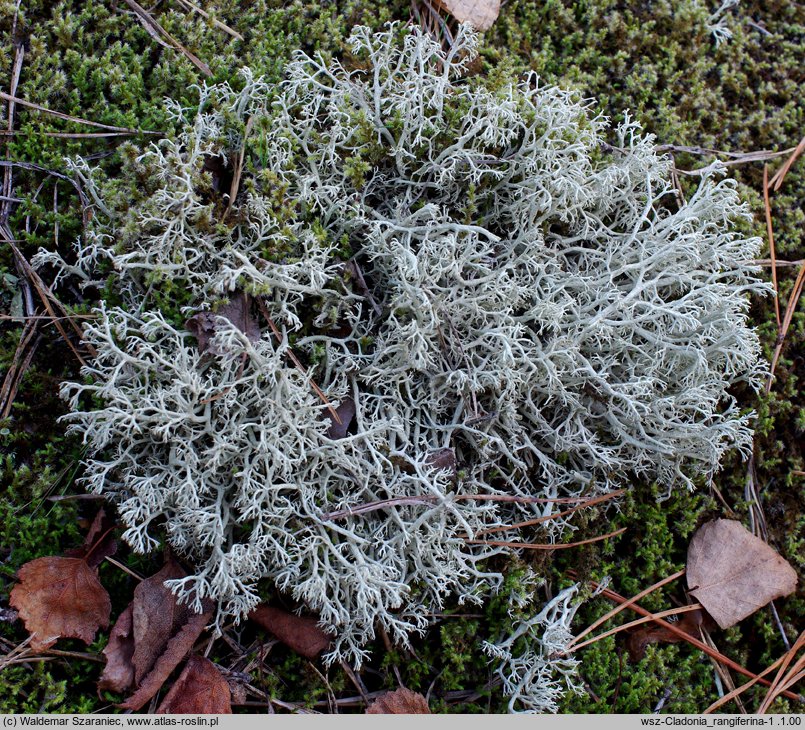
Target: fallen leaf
<point>99,542</point>
<point>204,325</point>
<point>175,650</point>
<point>732,573</point>
<point>641,637</point>
<point>480,14</point>
<point>300,633</point>
<point>60,597</point>
<point>199,690</point>
<point>118,674</point>
<point>156,617</point>
<point>401,701</point>
<point>346,412</point>
<point>443,459</point>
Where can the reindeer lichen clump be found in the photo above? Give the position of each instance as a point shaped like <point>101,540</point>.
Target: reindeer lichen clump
<point>526,313</point>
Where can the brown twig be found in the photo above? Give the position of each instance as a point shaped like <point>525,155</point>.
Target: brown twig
<point>217,23</point>
<point>546,546</point>
<point>770,233</point>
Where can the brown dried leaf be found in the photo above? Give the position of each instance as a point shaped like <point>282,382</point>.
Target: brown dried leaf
<point>443,459</point>
<point>480,14</point>
<point>402,701</point>
<point>300,633</point>
<point>118,674</point>
<point>199,690</point>
<point>204,325</point>
<point>346,412</point>
<point>732,573</point>
<point>99,542</point>
<point>156,617</point>
<point>175,650</point>
<point>60,597</point>
<point>640,638</point>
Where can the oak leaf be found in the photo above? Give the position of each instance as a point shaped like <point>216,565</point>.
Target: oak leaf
<point>480,14</point>
<point>402,701</point>
<point>199,690</point>
<point>300,633</point>
<point>60,597</point>
<point>732,573</point>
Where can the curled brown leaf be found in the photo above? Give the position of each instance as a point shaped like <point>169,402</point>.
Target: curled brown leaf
<point>402,701</point>
<point>300,633</point>
<point>199,690</point>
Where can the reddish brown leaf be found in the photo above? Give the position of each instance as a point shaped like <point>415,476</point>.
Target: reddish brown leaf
<point>237,310</point>
<point>199,690</point>
<point>442,459</point>
<point>640,638</point>
<point>346,412</point>
<point>175,650</point>
<point>60,597</point>
<point>732,573</point>
<point>118,674</point>
<point>99,542</point>
<point>156,617</point>
<point>481,14</point>
<point>402,701</point>
<point>300,633</point>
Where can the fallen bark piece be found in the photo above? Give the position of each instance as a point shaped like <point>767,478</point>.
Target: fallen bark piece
<point>732,573</point>
<point>300,633</point>
<point>402,701</point>
<point>199,690</point>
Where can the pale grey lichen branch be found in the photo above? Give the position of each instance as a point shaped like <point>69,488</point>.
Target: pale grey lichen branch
<point>543,311</point>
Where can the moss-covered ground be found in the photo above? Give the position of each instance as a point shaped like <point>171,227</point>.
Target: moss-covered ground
<point>658,59</point>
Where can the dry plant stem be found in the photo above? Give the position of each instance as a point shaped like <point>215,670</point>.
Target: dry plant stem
<point>785,679</point>
<point>770,233</point>
<point>654,617</point>
<point>233,191</point>
<point>539,520</point>
<point>789,313</point>
<point>721,671</point>
<point>740,690</point>
<point>29,339</point>
<point>217,23</point>
<point>8,184</point>
<point>156,31</point>
<point>624,605</point>
<point>546,546</point>
<point>612,595</point>
<point>70,118</point>
<point>779,176</point>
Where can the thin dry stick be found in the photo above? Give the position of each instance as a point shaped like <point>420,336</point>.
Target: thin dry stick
<point>70,118</point>
<point>715,654</point>
<point>21,362</point>
<point>156,31</point>
<point>779,176</point>
<point>539,520</point>
<point>654,617</point>
<point>626,604</point>
<point>295,360</point>
<point>233,190</point>
<point>217,23</point>
<point>8,178</point>
<point>770,232</point>
<point>545,546</point>
<point>740,690</point>
<point>721,671</point>
<point>789,313</point>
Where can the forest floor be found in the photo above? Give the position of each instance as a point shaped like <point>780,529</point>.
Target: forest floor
<point>737,99</point>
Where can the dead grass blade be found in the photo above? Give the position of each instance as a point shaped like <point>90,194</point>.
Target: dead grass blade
<point>69,118</point>
<point>655,618</point>
<point>779,176</point>
<point>158,33</point>
<point>539,520</point>
<point>233,189</point>
<point>546,545</point>
<point>187,5</point>
<point>626,604</point>
<point>295,360</point>
<point>715,654</point>
<point>770,233</point>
